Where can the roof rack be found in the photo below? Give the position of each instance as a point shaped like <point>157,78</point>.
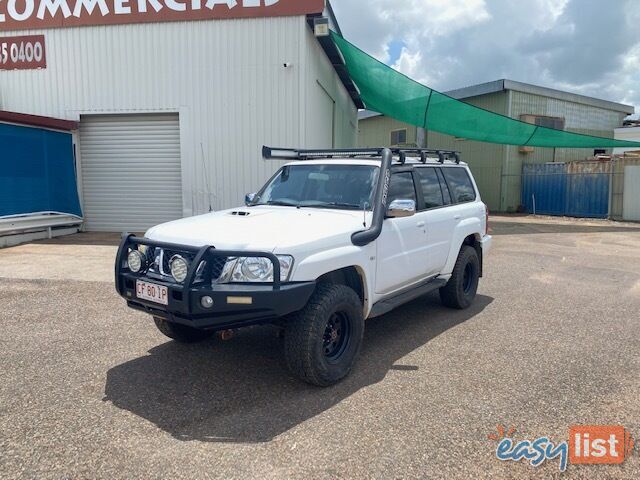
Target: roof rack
<point>402,153</point>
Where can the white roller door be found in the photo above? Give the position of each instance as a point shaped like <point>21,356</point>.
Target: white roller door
<point>130,164</point>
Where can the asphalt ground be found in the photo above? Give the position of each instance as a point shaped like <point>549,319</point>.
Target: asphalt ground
<point>90,389</point>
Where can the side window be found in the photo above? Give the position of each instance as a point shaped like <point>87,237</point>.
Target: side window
<point>401,187</point>
<point>445,188</point>
<point>431,190</point>
<point>460,184</point>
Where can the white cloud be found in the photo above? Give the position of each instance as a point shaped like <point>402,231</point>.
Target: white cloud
<point>586,46</point>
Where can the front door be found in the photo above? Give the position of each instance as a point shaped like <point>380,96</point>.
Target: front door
<point>401,246</point>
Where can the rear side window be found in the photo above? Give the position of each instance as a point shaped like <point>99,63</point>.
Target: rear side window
<point>445,188</point>
<point>401,187</point>
<point>431,190</point>
<point>460,185</point>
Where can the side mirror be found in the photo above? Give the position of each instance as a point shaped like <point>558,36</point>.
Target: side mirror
<point>249,198</point>
<point>401,208</point>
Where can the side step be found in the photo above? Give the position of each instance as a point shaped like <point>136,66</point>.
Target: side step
<point>388,304</point>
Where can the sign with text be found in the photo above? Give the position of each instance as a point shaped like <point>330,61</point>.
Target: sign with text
<point>22,53</point>
<point>31,14</point>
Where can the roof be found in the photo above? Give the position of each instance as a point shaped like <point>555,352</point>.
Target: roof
<point>631,130</point>
<point>37,121</point>
<point>504,85</point>
<point>335,57</point>
<point>364,114</point>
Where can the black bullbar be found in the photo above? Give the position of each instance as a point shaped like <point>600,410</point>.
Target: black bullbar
<point>233,304</point>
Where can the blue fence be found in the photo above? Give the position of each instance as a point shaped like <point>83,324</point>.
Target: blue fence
<point>37,171</point>
<point>579,189</point>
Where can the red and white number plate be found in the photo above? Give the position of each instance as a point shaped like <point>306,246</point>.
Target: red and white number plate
<point>152,292</point>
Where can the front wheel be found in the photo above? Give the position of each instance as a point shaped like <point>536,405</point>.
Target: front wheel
<point>181,333</point>
<point>461,288</point>
<point>322,341</point>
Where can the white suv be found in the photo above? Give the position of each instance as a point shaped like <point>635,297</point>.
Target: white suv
<point>335,237</point>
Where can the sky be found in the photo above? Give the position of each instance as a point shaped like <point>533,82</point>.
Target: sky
<point>591,47</point>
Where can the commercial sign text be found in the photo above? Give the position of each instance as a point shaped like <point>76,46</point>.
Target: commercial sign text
<point>29,14</point>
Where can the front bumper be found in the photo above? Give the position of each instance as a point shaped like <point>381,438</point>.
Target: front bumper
<point>234,305</point>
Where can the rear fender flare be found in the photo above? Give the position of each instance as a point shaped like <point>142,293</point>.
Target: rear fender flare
<point>469,226</point>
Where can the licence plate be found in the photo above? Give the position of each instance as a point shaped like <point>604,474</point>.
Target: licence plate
<point>152,292</point>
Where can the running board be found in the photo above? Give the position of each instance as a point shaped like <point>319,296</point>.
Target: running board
<point>385,306</point>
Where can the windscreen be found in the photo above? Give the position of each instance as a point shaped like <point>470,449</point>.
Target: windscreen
<point>321,186</point>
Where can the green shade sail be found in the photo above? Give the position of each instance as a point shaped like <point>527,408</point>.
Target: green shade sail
<point>391,93</point>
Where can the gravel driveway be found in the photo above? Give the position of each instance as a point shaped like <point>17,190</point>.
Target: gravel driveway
<point>90,389</point>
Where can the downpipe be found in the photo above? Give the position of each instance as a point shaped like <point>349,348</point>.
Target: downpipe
<point>365,237</point>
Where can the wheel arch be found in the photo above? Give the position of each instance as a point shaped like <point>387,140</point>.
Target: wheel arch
<point>466,233</point>
<point>353,277</point>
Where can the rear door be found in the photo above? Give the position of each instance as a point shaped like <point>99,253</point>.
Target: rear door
<point>438,217</point>
<point>401,257</point>
<point>457,184</point>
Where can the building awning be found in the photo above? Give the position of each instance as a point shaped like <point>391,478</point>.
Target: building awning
<point>37,121</point>
<point>383,89</point>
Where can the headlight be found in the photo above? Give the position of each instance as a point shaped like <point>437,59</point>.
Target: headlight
<point>135,260</point>
<point>179,268</point>
<point>255,269</point>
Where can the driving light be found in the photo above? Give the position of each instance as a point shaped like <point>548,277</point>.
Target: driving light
<point>179,268</point>
<point>206,301</point>
<point>135,260</point>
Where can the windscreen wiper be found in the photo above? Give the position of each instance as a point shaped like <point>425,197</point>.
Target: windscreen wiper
<point>335,205</point>
<point>279,203</point>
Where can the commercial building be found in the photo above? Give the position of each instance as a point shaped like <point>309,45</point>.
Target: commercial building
<point>498,168</point>
<point>630,131</point>
<point>175,99</point>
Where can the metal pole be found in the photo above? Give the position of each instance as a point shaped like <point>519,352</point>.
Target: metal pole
<point>533,197</point>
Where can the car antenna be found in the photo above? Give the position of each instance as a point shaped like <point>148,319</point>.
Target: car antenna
<point>364,214</point>
<point>206,179</point>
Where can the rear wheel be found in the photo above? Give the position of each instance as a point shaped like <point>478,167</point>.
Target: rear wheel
<point>323,340</point>
<point>460,290</point>
<point>181,333</point>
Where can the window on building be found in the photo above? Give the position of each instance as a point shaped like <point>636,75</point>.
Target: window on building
<point>460,184</point>
<point>399,137</point>
<point>556,123</point>
<point>431,190</point>
<point>599,151</point>
<point>401,187</point>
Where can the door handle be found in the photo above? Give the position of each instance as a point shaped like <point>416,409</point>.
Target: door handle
<point>457,217</point>
<point>420,224</point>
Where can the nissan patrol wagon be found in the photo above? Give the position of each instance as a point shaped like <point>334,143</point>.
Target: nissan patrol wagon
<point>335,237</point>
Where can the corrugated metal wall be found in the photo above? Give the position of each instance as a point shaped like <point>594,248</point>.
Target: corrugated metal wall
<point>225,78</point>
<point>575,189</point>
<point>376,132</point>
<point>617,185</point>
<point>544,189</point>
<point>588,189</point>
<point>578,117</point>
<point>631,199</point>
